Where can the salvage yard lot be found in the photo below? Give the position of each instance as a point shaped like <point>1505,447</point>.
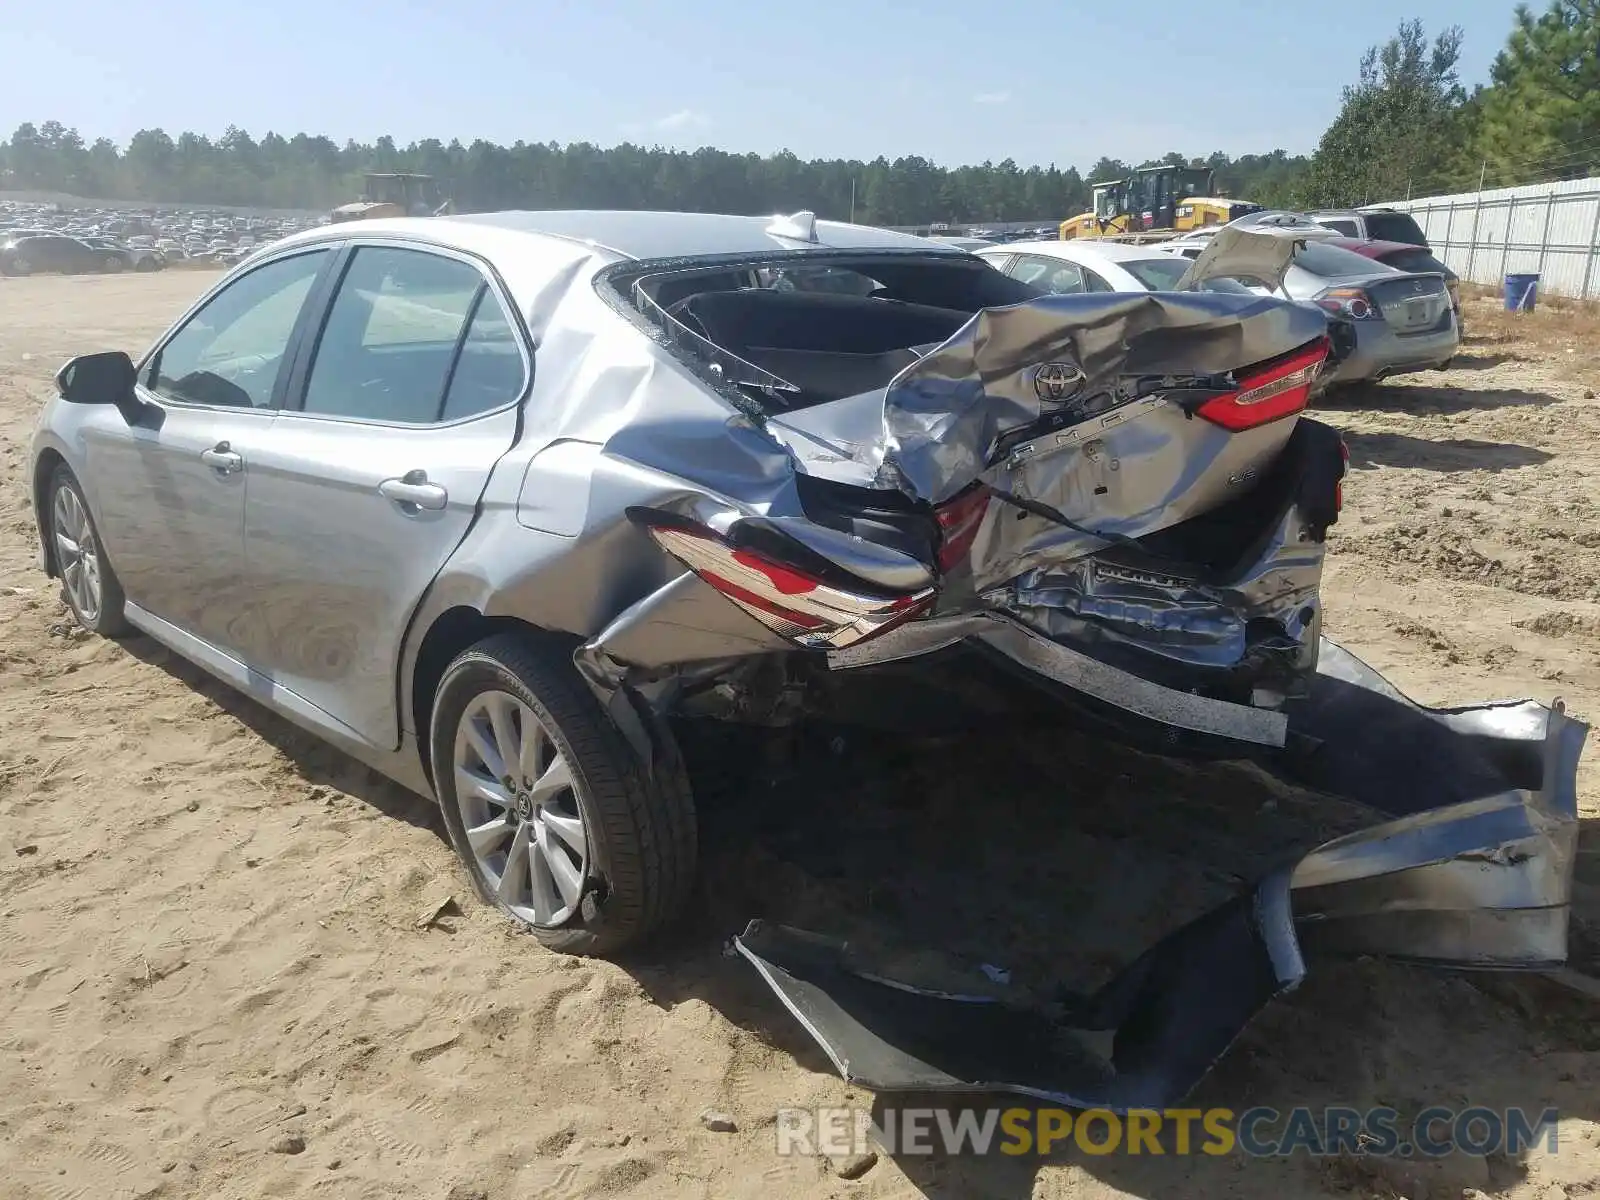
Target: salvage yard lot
<point>232,965</point>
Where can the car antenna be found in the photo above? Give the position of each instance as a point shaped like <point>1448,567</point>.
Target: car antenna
<point>797,227</point>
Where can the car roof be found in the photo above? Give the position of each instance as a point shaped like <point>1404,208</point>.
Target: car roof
<point>1084,251</point>
<point>684,234</point>
<point>1372,247</point>
<point>618,234</point>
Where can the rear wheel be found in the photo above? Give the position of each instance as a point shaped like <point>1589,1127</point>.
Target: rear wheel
<point>88,584</point>
<point>19,266</point>
<point>548,808</point>
<point>113,264</point>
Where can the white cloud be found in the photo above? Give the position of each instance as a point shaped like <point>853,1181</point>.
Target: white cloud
<point>684,118</point>
<point>992,98</point>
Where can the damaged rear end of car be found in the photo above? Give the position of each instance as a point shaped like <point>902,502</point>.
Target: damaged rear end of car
<point>1117,494</point>
<point>1119,500</point>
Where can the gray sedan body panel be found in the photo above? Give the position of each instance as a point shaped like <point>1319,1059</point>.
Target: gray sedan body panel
<point>181,554</point>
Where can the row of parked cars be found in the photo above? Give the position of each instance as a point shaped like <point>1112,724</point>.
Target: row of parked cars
<point>1403,303</point>
<point>52,239</point>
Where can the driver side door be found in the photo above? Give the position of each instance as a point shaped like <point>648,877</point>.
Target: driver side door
<point>170,489</point>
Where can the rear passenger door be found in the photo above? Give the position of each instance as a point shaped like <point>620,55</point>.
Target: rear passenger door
<point>396,413</point>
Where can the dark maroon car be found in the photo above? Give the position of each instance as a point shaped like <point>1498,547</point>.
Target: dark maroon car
<point>1404,257</point>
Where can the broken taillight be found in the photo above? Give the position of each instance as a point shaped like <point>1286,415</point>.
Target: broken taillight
<point>1268,391</point>
<point>959,518</point>
<point>787,600</point>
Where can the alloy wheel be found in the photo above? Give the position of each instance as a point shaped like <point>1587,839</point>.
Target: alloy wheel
<point>519,808</point>
<point>77,553</point>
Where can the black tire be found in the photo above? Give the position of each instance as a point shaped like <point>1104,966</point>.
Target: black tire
<point>113,264</point>
<point>110,621</point>
<point>641,831</point>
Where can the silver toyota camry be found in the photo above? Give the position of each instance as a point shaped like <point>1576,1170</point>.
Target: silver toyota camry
<point>490,501</point>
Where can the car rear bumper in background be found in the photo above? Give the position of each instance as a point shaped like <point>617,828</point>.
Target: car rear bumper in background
<point>1379,353</point>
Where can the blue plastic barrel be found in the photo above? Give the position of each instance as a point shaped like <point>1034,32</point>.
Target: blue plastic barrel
<point>1522,292</point>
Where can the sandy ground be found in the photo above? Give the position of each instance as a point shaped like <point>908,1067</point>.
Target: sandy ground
<point>219,976</point>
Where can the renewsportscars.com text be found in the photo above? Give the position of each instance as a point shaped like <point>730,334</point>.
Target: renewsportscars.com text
<point>1257,1132</point>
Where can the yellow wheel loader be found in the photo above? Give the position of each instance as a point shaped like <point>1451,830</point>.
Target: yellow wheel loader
<point>394,194</point>
<point>1156,203</point>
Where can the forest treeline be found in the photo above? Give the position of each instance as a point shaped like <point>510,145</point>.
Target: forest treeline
<point>1407,126</point>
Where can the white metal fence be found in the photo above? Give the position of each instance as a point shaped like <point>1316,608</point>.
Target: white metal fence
<point>1550,228</point>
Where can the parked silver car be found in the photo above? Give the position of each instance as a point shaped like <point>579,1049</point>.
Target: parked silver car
<point>485,500</point>
<point>1402,321</point>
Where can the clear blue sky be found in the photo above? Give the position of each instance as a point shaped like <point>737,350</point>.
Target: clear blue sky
<point>1033,80</point>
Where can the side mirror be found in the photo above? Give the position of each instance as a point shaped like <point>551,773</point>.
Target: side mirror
<point>104,378</point>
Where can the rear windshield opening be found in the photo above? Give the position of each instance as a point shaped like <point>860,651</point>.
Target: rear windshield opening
<point>789,335</point>
<point>1395,227</point>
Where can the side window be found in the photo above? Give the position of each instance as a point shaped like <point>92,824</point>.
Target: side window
<point>228,353</point>
<point>1065,279</point>
<point>1030,270</point>
<point>488,372</point>
<point>1049,275</point>
<point>1095,283</point>
<point>1348,228</point>
<point>391,336</point>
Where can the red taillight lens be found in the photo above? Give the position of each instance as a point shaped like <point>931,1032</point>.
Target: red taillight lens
<point>1349,302</point>
<point>1269,391</point>
<point>788,601</point>
<point>959,519</point>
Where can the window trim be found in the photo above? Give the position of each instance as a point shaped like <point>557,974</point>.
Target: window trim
<point>293,400</point>
<point>291,349</point>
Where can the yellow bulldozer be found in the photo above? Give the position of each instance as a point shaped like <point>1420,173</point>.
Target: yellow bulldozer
<point>395,194</point>
<point>1155,203</point>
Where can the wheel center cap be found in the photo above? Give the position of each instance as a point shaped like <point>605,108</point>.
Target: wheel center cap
<point>525,806</point>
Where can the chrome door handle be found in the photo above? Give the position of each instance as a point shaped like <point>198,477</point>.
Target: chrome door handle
<point>414,489</point>
<point>221,458</point>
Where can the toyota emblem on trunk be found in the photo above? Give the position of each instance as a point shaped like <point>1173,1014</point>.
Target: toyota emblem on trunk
<point>1058,382</point>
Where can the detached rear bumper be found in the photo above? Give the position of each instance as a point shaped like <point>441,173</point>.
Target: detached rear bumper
<point>1469,864</point>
